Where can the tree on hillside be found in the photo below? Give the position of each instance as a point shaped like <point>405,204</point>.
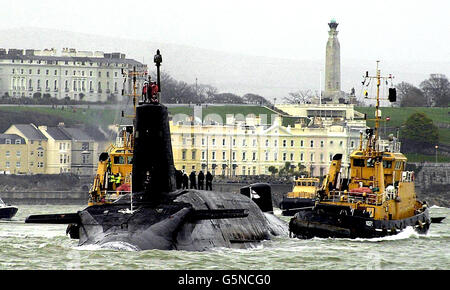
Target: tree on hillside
<point>299,97</point>
<point>226,98</point>
<point>256,99</point>
<point>418,134</point>
<point>437,90</point>
<point>410,96</point>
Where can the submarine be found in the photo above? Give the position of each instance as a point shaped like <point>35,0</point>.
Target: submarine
<point>157,215</point>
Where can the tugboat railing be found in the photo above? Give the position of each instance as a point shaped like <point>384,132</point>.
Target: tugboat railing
<point>354,197</point>
<point>110,195</point>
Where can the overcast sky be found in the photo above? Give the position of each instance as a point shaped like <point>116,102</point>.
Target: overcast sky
<point>388,30</point>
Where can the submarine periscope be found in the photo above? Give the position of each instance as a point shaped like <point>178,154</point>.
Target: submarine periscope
<point>156,215</point>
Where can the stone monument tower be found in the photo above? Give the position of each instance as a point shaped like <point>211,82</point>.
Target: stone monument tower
<point>333,65</point>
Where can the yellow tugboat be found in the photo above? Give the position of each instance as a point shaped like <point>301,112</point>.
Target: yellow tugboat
<point>303,194</point>
<point>113,177</point>
<point>377,199</point>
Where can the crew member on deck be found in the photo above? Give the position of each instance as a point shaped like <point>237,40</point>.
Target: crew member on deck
<point>192,180</point>
<point>209,179</point>
<point>201,179</point>
<point>154,93</point>
<point>145,90</point>
<point>185,181</point>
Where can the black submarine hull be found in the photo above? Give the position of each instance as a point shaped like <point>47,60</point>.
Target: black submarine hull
<point>331,221</point>
<point>194,220</point>
<point>290,206</point>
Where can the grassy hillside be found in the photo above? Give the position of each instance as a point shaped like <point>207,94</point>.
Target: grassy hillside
<point>104,117</point>
<point>222,111</point>
<point>440,117</point>
<point>70,116</point>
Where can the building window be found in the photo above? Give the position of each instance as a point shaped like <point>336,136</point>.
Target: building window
<point>7,153</point>
<point>223,142</point>
<point>7,164</point>
<point>193,154</point>
<point>254,156</point>
<point>18,153</point>
<point>234,155</point>
<point>18,164</point>
<point>8,141</point>
<point>243,155</point>
<point>284,156</point>
<point>292,143</point>
<point>301,156</point>
<point>224,155</point>
<point>292,156</point>
<point>214,155</point>
<point>284,143</point>
<point>312,157</point>
<point>301,143</point>
<point>85,158</point>
<point>183,154</point>
<point>312,143</point>
<point>267,142</point>
<point>203,155</point>
<point>18,141</point>
<point>321,144</point>
<point>40,164</point>
<point>85,146</point>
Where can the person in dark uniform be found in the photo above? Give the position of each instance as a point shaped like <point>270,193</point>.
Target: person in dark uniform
<point>185,181</point>
<point>209,179</point>
<point>192,180</point>
<point>201,180</point>
<point>178,178</point>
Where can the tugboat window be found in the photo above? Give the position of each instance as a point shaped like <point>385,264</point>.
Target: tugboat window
<point>119,160</point>
<point>130,160</point>
<point>358,162</point>
<point>387,164</point>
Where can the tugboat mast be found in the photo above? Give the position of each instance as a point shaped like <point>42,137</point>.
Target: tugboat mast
<point>377,119</point>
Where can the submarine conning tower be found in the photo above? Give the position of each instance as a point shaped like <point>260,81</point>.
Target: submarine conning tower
<point>153,168</point>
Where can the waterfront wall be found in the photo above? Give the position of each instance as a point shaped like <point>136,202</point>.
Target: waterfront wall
<point>81,197</point>
<point>47,197</point>
<point>432,184</point>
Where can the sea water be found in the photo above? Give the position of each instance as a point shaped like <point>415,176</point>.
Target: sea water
<point>41,246</point>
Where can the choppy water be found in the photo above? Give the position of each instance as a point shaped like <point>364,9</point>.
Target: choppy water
<point>30,246</point>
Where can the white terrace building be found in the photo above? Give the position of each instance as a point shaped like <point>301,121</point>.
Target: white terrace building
<point>78,75</point>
